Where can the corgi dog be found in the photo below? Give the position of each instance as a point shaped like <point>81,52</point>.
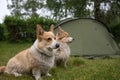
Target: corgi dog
<point>38,59</point>
<point>63,52</point>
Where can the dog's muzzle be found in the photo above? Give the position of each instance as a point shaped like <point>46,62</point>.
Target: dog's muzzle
<point>56,46</point>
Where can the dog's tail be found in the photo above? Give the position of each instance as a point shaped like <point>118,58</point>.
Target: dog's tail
<point>2,69</point>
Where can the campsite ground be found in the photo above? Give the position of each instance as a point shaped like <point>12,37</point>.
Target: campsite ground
<point>78,68</point>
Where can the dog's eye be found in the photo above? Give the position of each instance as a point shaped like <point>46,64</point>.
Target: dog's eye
<point>60,38</point>
<point>49,39</point>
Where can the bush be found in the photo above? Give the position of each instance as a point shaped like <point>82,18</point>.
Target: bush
<point>2,37</point>
<point>16,27</point>
<point>24,30</point>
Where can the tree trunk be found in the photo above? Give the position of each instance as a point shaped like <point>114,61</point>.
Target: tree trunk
<point>97,9</point>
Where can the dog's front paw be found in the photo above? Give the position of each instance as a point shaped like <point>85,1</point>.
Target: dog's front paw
<point>49,75</point>
<point>17,74</point>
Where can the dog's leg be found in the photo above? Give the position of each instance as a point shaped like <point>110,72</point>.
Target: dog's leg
<point>16,73</point>
<point>65,64</point>
<point>36,73</point>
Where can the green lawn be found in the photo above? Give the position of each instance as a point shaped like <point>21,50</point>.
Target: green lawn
<point>77,68</point>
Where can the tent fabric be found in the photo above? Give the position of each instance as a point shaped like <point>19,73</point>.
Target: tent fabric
<point>92,37</point>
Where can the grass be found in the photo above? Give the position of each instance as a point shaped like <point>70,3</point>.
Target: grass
<point>78,68</point>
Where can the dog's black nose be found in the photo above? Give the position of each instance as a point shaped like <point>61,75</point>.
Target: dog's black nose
<point>57,45</point>
<point>73,39</point>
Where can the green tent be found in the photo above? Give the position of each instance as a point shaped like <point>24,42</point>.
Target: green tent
<point>92,37</point>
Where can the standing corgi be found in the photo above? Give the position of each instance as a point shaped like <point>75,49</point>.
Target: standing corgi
<point>38,59</point>
<point>63,52</point>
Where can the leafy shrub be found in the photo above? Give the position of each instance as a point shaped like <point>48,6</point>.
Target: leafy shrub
<point>24,29</point>
<point>31,26</point>
<point>16,27</point>
<point>1,32</point>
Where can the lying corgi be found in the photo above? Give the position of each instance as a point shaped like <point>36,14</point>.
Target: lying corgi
<point>63,52</point>
<point>38,59</point>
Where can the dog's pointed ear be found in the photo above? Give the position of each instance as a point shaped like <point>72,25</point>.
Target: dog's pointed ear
<point>60,30</point>
<point>39,30</point>
<point>59,33</point>
<point>52,28</point>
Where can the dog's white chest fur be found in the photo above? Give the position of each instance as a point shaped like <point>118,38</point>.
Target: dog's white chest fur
<point>64,50</point>
<point>62,54</point>
<point>45,60</point>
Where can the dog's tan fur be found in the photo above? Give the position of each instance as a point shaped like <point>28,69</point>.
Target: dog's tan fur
<point>38,59</point>
<point>63,52</point>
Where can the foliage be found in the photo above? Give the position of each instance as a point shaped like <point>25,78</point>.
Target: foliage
<point>116,32</point>
<point>1,32</point>
<point>23,8</point>
<point>31,25</point>
<point>31,7</point>
<point>106,11</point>
<point>78,68</point>
<point>16,7</point>
<point>109,15</point>
<point>63,8</point>
<point>24,29</point>
<point>15,26</point>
